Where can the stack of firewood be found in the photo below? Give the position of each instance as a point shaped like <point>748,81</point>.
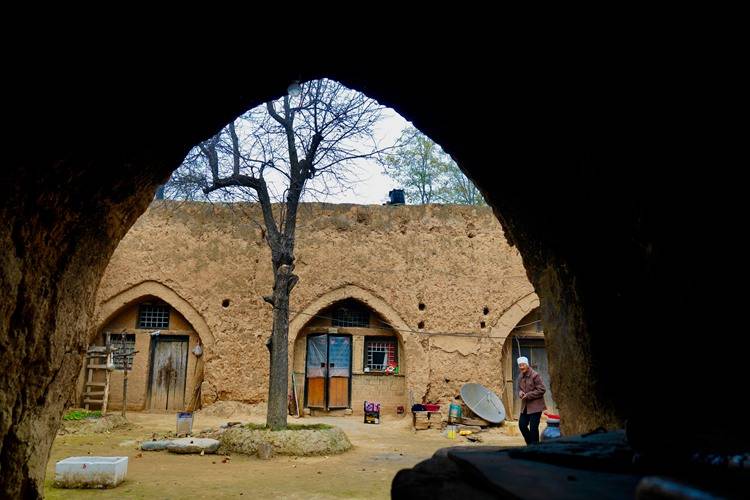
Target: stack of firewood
<point>421,420</point>
<point>436,420</point>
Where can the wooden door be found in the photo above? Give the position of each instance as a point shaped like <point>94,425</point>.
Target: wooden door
<point>339,370</point>
<point>328,371</point>
<point>316,370</point>
<point>536,352</point>
<point>168,372</point>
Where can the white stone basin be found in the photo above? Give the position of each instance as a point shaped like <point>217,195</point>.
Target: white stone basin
<point>90,472</point>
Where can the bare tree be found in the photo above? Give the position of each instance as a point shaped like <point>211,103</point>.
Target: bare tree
<point>305,143</point>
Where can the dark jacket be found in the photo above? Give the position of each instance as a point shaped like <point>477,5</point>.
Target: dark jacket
<point>532,384</point>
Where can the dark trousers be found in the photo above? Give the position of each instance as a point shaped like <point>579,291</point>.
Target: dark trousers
<point>529,425</point>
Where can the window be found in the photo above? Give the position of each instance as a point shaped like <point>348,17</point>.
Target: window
<point>351,315</point>
<point>380,352</point>
<point>116,341</point>
<point>153,316</point>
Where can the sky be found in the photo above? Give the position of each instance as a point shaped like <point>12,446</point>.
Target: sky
<point>374,184</point>
<point>369,185</point>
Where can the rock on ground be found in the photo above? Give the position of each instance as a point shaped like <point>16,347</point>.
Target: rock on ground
<point>157,445</point>
<point>193,445</point>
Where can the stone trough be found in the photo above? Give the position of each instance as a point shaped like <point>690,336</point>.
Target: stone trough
<point>90,472</point>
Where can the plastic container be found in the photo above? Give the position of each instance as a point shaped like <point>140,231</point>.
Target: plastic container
<point>451,431</point>
<point>553,428</point>
<point>396,197</point>
<point>455,413</point>
<point>184,423</point>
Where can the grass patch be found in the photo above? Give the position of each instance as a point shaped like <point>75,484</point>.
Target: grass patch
<point>291,427</point>
<point>82,414</point>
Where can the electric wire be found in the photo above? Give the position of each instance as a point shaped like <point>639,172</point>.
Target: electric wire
<point>391,327</point>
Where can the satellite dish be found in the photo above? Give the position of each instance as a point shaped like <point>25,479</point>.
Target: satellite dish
<point>483,402</point>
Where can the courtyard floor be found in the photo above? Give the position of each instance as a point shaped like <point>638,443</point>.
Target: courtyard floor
<point>364,472</point>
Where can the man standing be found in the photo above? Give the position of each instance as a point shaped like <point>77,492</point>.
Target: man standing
<point>531,391</point>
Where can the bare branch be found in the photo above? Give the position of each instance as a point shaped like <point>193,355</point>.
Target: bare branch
<point>274,114</point>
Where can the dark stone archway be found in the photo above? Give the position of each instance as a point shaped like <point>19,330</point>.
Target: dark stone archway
<point>590,165</point>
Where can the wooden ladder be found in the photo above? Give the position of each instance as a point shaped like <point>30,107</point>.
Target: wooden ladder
<point>97,358</point>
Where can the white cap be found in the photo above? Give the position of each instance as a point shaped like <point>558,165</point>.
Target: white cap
<point>523,359</point>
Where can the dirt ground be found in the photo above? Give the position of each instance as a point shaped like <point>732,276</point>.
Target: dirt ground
<point>364,472</point>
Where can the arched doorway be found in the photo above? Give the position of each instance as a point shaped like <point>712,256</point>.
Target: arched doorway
<point>166,371</point>
<point>345,354</point>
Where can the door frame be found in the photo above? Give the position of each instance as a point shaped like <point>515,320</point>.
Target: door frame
<point>154,341</point>
<point>326,407</point>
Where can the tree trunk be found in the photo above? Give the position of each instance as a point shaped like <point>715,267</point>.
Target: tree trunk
<point>279,347</point>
